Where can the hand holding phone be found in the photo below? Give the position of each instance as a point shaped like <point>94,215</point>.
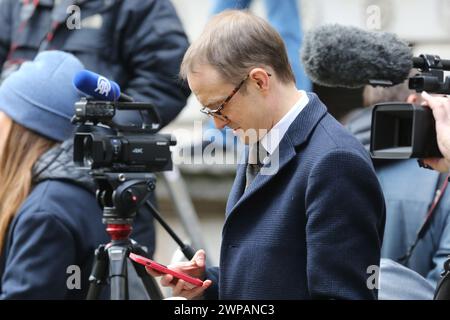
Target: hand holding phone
<point>163,269</point>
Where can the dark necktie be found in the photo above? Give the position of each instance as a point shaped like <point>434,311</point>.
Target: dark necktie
<point>256,155</point>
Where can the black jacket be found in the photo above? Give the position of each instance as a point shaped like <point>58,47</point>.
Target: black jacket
<point>59,225</point>
<point>137,43</point>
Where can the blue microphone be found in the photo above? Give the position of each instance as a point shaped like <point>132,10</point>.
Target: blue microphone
<point>99,87</point>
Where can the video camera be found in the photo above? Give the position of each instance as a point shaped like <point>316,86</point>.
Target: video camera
<point>403,130</point>
<point>101,144</point>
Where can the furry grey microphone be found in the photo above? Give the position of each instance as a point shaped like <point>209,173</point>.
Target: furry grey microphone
<point>345,56</point>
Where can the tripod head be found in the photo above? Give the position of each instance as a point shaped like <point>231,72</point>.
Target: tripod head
<point>120,194</point>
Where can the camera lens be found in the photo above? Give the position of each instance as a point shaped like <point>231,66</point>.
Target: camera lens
<point>88,148</point>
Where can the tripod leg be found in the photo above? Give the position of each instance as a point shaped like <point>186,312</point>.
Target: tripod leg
<point>118,272</point>
<point>99,273</point>
<point>149,282</point>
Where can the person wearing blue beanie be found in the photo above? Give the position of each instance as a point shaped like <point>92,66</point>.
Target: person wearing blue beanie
<point>50,221</point>
<point>41,97</point>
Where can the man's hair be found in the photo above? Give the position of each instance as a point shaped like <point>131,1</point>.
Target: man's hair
<point>233,43</point>
<point>397,93</point>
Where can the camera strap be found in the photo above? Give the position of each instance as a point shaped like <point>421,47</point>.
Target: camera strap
<point>439,192</point>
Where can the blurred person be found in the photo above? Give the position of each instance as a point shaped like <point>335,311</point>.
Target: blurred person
<point>410,192</point>
<point>312,227</point>
<point>138,44</point>
<point>49,215</point>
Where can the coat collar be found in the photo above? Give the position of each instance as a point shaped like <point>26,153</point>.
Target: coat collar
<point>297,134</point>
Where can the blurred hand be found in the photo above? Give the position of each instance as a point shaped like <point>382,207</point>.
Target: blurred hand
<point>195,268</point>
<point>441,111</point>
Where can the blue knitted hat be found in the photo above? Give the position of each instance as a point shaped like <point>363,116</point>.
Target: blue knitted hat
<point>40,95</point>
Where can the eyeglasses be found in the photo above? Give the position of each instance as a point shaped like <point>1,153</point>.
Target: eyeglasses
<point>216,113</point>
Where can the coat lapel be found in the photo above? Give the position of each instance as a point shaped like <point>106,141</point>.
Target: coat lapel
<point>285,153</point>
<point>297,134</point>
<point>238,187</point>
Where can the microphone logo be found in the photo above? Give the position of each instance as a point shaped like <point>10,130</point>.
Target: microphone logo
<point>103,86</point>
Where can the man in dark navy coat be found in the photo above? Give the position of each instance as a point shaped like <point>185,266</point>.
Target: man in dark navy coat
<point>305,216</point>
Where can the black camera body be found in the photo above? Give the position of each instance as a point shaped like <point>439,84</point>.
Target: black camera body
<point>100,144</point>
<point>403,130</point>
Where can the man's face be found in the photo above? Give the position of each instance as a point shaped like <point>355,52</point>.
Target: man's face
<point>243,112</point>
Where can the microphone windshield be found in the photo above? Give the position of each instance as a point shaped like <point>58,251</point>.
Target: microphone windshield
<point>96,86</point>
<point>345,56</point>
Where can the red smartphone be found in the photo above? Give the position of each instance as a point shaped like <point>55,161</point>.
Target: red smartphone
<point>163,269</point>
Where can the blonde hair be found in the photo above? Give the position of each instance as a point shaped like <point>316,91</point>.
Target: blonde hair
<point>235,41</point>
<point>21,150</point>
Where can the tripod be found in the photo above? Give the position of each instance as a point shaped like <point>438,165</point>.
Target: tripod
<point>120,195</point>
